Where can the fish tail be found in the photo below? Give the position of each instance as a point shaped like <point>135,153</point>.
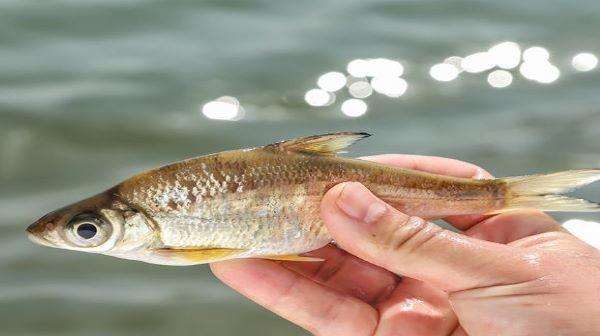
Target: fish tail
<point>544,191</point>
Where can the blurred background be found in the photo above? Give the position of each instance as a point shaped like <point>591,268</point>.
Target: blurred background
<point>93,91</point>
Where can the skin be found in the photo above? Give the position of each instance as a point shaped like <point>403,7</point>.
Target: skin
<point>517,273</point>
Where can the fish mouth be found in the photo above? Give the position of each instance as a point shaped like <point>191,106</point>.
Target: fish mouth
<point>34,236</point>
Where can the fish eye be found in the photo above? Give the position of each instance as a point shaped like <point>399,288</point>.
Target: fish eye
<point>88,230</point>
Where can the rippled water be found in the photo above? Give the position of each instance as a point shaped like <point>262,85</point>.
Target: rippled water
<point>93,91</point>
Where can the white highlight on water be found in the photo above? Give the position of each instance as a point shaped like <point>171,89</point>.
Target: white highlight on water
<point>319,97</point>
<point>223,108</point>
<point>456,61</point>
<point>354,108</point>
<point>500,78</point>
<point>478,62</point>
<point>389,85</point>
<point>360,89</point>
<point>536,54</point>
<point>584,61</point>
<point>373,67</point>
<point>541,71</point>
<point>506,55</point>
<point>444,72</point>
<point>332,81</point>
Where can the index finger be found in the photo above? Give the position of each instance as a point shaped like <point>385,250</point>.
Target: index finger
<point>314,307</point>
<point>347,274</point>
<point>442,166</point>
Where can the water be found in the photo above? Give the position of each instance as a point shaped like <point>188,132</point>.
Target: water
<point>94,91</point>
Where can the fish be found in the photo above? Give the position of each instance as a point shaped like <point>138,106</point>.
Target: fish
<point>264,202</point>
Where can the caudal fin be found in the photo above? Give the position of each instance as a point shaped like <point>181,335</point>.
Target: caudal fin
<point>543,192</point>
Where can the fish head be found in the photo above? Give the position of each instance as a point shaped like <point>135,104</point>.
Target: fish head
<point>99,224</point>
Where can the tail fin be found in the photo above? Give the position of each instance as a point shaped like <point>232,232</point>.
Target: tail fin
<point>543,191</point>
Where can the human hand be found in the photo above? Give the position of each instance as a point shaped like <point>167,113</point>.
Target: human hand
<point>517,273</point>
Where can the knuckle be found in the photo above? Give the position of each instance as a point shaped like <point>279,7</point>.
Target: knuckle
<point>285,294</point>
<point>418,318</point>
<point>409,234</point>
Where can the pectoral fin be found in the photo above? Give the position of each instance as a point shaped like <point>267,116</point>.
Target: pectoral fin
<point>291,257</point>
<point>325,144</point>
<point>200,255</point>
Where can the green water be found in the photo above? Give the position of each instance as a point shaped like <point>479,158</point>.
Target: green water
<point>94,91</point>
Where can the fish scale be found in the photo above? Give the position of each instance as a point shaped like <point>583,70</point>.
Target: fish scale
<point>221,222</point>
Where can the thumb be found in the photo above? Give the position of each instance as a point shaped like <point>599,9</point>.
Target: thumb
<point>372,230</point>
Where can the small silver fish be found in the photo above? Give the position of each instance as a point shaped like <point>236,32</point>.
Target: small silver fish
<point>264,202</point>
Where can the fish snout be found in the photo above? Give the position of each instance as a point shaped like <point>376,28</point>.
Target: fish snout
<point>43,232</point>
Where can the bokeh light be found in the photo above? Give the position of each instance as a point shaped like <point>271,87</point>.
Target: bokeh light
<point>385,67</point>
<point>584,61</point>
<point>351,80</point>
<point>384,76</point>
<point>536,54</point>
<point>354,108</point>
<point>541,71</point>
<point>319,97</point>
<point>477,62</point>
<point>550,74</point>
<point>456,61</point>
<point>500,78</point>
<point>358,68</point>
<point>390,86</point>
<point>223,108</point>
<point>506,55</point>
<point>360,89</point>
<point>374,67</point>
<point>332,81</point>
<point>443,72</point>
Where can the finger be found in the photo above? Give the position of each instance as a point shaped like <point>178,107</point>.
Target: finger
<point>416,308</point>
<point>431,164</point>
<point>442,166</point>
<point>548,241</point>
<point>316,308</point>
<point>347,274</point>
<point>372,230</point>
<point>511,226</point>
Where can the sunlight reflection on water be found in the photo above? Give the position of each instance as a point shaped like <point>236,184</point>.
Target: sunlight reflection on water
<point>584,61</point>
<point>223,108</point>
<point>354,107</point>
<point>363,77</point>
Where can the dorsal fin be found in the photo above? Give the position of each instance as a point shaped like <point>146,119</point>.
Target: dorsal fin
<point>324,144</point>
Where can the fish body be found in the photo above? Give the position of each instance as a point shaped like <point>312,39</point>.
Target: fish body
<point>264,202</point>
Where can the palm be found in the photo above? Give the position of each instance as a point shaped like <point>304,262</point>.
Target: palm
<point>396,303</point>
<point>341,296</point>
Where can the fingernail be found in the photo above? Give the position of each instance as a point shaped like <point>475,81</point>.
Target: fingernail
<point>359,203</point>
